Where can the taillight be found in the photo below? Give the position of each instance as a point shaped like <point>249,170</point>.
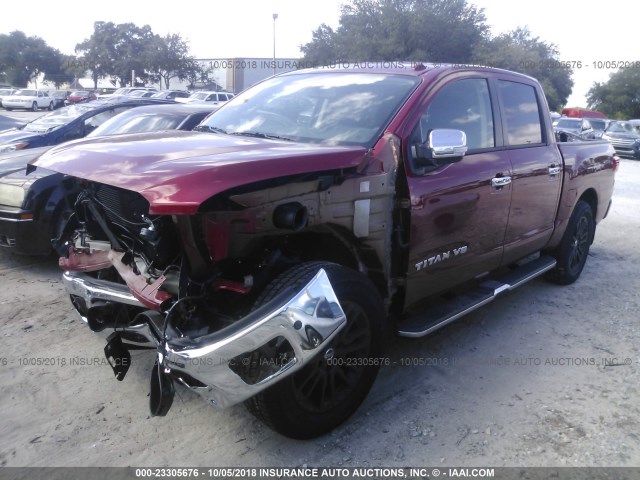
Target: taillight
<point>615,162</point>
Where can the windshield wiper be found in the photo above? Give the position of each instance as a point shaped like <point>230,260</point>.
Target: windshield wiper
<point>262,135</point>
<point>207,128</point>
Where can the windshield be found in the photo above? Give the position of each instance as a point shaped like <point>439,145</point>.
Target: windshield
<point>333,108</point>
<point>620,127</point>
<point>80,93</point>
<point>569,123</point>
<point>132,121</point>
<point>5,92</point>
<point>597,124</point>
<point>57,118</point>
<point>199,96</point>
<point>121,91</point>
<point>27,93</point>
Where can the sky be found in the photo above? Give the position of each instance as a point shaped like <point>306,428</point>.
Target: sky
<point>582,31</point>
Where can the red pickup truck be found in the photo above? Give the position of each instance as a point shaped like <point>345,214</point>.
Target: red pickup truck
<point>266,257</point>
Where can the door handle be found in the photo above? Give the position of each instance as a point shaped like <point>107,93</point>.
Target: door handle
<point>499,182</point>
<point>553,170</point>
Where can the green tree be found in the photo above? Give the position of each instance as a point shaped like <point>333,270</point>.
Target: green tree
<point>57,71</point>
<point>132,45</point>
<point>98,53</point>
<point>322,48</point>
<point>521,52</point>
<point>619,97</point>
<point>388,30</point>
<point>117,50</point>
<point>168,58</point>
<point>24,59</point>
<point>201,75</point>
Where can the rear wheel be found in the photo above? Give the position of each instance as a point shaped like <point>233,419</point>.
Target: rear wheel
<point>573,250</point>
<point>334,383</point>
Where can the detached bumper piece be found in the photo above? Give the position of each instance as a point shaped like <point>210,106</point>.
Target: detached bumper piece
<point>227,366</point>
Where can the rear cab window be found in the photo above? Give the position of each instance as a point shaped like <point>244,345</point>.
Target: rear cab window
<point>521,114</point>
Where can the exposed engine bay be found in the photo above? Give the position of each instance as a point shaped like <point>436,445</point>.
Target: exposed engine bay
<point>183,284</point>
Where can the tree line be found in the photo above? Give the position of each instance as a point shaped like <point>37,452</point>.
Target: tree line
<point>439,31</point>
<point>453,31</point>
<point>112,51</point>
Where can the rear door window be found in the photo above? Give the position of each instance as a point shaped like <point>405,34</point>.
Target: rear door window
<point>521,113</point>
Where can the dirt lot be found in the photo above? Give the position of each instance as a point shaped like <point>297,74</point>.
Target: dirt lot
<point>545,376</point>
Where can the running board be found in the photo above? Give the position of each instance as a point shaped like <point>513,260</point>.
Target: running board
<point>438,316</point>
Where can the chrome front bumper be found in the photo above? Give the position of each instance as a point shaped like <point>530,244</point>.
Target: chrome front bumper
<point>214,365</point>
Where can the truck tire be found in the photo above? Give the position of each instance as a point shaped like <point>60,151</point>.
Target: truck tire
<point>322,395</point>
<point>573,250</point>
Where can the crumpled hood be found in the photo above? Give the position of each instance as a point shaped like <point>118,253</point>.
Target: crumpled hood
<point>177,171</point>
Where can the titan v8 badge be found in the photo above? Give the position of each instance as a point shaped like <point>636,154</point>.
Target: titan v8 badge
<point>441,257</point>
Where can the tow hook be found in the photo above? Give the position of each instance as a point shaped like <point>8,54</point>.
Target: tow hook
<point>117,355</point>
<point>162,389</point>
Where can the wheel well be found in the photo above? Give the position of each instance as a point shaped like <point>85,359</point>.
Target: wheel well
<point>339,247</point>
<point>591,197</point>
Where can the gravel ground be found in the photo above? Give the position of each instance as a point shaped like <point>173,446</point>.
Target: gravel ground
<point>546,376</point>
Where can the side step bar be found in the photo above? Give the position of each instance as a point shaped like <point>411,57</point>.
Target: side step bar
<point>440,315</point>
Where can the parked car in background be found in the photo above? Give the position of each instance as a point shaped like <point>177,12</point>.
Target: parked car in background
<point>635,123</point>
<point>33,207</point>
<point>127,91</point>
<point>80,96</point>
<point>170,94</point>
<point>142,94</point>
<point>58,97</point>
<point>28,99</point>
<point>570,129</point>
<point>6,92</point>
<point>624,138</point>
<point>598,125</point>
<point>68,123</point>
<point>153,118</point>
<point>216,98</point>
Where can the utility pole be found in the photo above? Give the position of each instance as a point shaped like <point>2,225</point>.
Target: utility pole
<point>275,16</point>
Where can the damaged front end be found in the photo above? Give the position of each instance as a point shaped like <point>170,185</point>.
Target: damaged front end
<point>145,283</point>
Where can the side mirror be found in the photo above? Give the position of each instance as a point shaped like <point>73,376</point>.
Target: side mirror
<point>443,146</point>
<point>447,143</point>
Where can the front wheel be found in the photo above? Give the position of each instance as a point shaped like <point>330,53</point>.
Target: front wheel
<point>571,254</point>
<point>51,106</point>
<point>34,106</point>
<point>330,388</point>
